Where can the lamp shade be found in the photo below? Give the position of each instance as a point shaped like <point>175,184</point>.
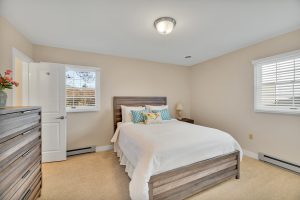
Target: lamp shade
<point>179,106</point>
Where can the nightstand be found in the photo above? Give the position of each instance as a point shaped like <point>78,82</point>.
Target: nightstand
<point>191,121</point>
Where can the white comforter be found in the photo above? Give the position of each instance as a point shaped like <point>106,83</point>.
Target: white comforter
<point>152,149</point>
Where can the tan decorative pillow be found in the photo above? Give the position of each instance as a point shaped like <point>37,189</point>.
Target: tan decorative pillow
<point>152,118</point>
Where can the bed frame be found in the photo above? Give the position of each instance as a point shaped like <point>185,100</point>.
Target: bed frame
<point>185,181</point>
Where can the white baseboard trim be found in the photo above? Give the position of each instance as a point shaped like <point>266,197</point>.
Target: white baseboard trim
<point>104,148</point>
<point>250,154</point>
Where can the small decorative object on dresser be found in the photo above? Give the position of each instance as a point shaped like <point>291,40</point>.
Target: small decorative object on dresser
<point>6,82</point>
<point>20,153</point>
<point>179,108</point>
<point>191,121</point>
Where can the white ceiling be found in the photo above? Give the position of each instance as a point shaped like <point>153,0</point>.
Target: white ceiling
<point>204,29</point>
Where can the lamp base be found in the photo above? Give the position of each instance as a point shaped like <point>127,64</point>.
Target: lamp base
<point>179,115</point>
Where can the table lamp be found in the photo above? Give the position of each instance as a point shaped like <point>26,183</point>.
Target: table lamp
<point>179,108</point>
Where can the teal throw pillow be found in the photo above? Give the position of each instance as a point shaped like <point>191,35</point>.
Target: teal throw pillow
<point>138,116</point>
<point>165,115</point>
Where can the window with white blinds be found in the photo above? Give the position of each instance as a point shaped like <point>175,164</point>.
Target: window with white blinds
<point>277,83</point>
<point>82,89</point>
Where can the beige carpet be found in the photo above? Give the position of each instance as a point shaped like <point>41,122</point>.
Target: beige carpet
<point>98,176</point>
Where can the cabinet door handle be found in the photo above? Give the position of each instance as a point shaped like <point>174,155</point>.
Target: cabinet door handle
<point>61,117</point>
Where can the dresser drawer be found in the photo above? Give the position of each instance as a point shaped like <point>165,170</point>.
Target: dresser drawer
<point>25,186</point>
<point>14,123</point>
<point>35,189</point>
<point>12,149</point>
<point>16,170</point>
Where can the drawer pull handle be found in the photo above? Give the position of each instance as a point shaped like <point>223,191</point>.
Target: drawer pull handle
<point>26,153</point>
<point>61,117</point>
<point>25,133</point>
<point>26,111</point>
<point>26,174</point>
<point>26,194</point>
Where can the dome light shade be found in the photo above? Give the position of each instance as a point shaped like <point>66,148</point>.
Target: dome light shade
<point>164,25</point>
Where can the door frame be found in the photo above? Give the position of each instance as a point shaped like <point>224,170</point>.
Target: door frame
<point>24,58</point>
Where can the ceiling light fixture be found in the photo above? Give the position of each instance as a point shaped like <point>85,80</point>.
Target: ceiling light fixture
<point>164,25</point>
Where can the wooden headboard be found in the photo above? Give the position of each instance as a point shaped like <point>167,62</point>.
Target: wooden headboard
<point>134,101</point>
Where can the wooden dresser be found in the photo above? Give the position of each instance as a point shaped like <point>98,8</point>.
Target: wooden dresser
<point>20,153</point>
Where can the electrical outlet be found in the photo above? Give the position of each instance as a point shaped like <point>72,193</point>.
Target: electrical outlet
<point>250,136</point>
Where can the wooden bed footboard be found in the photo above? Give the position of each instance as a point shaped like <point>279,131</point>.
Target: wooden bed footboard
<point>188,180</point>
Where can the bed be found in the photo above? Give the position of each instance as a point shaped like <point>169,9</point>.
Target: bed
<point>172,160</point>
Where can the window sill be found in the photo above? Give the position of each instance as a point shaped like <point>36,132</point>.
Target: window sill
<point>284,112</point>
<point>82,110</point>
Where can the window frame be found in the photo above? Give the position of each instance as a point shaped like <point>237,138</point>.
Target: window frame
<point>97,88</point>
<point>257,66</point>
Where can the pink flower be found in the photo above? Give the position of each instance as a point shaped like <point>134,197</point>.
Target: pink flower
<point>8,72</point>
<point>16,83</point>
<point>9,79</point>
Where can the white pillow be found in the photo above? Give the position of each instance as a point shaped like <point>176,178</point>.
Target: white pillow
<point>150,108</point>
<point>126,112</point>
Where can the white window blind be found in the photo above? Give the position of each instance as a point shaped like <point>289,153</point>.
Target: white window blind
<point>82,88</point>
<point>277,83</point>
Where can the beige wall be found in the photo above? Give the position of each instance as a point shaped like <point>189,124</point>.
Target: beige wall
<point>18,77</point>
<point>222,97</point>
<point>119,77</point>
<point>9,38</point>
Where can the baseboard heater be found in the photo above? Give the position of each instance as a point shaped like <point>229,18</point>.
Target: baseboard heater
<point>281,163</point>
<point>74,152</point>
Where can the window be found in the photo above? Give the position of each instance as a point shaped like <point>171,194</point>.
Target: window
<point>82,89</point>
<point>277,83</point>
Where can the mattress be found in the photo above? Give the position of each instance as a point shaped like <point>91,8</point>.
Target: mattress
<point>147,150</point>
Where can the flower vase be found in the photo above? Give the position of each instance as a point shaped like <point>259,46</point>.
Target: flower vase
<point>3,97</point>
